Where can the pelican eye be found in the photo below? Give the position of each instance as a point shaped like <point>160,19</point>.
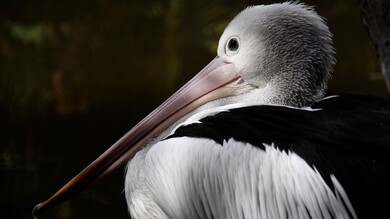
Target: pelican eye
<point>232,46</point>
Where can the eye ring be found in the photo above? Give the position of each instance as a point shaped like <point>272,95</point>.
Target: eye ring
<point>232,46</point>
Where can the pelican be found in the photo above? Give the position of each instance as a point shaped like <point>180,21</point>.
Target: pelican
<point>253,134</point>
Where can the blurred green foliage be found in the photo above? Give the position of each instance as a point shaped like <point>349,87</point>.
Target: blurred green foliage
<point>27,34</point>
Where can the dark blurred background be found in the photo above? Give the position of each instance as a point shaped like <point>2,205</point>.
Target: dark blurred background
<point>76,75</point>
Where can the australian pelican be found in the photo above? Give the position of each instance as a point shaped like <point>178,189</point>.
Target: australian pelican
<point>253,135</point>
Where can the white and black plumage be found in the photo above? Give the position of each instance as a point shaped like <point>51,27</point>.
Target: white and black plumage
<point>314,155</point>
<point>252,136</point>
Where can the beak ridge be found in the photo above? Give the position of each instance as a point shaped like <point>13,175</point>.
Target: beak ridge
<point>196,92</point>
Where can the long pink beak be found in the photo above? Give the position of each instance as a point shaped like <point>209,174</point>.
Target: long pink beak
<point>207,85</point>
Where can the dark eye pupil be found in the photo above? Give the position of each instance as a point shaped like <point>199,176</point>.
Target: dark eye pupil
<point>233,45</point>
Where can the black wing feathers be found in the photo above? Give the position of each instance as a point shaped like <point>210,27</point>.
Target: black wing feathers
<point>348,136</point>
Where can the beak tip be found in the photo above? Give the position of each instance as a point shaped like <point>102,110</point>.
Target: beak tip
<point>37,210</point>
